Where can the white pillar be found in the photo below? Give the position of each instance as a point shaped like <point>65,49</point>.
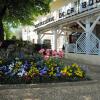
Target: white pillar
<point>39,38</point>
<point>67,41</point>
<point>88,32</point>
<point>55,38</point>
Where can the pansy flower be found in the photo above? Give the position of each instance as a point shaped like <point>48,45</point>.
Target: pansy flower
<point>43,71</point>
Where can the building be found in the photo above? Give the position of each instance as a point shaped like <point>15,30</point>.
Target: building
<point>76,25</point>
<point>28,34</point>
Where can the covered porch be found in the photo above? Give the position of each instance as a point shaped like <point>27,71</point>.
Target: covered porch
<point>87,39</point>
<point>80,31</point>
<point>81,34</point>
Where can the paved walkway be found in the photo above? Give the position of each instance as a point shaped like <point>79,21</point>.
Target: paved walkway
<point>84,90</point>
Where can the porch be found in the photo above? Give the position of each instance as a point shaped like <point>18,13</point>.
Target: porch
<point>84,23</point>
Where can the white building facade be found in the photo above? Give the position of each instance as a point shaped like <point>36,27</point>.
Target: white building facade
<point>77,26</point>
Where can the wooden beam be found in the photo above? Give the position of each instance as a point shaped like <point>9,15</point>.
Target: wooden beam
<point>42,36</point>
<point>94,24</point>
<point>48,33</point>
<point>81,25</point>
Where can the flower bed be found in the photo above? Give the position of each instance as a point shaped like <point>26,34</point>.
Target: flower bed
<point>47,66</point>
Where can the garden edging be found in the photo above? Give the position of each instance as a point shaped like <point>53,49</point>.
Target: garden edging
<point>45,85</point>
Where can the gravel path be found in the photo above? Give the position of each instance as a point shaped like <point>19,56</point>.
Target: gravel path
<point>65,91</point>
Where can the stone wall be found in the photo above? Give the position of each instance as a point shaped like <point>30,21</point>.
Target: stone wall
<point>83,58</point>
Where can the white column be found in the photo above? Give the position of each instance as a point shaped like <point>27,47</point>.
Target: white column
<point>67,41</point>
<point>39,38</point>
<point>55,38</point>
<point>88,32</point>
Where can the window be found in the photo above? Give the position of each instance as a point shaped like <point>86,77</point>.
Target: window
<point>47,41</point>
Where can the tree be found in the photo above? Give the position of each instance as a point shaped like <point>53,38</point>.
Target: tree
<point>22,12</point>
<point>7,30</point>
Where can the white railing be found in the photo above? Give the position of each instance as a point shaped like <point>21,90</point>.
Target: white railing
<point>91,46</point>
<point>94,45</point>
<point>81,44</point>
<point>71,47</point>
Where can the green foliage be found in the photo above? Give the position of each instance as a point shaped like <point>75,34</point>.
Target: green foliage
<point>8,32</point>
<point>23,11</point>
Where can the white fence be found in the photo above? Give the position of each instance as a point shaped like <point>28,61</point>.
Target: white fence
<point>85,45</point>
<point>71,47</point>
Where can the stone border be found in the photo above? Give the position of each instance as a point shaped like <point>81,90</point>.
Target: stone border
<point>45,85</point>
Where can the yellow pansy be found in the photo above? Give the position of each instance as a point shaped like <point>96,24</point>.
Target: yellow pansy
<point>75,65</point>
<point>33,71</point>
<point>79,73</point>
<point>64,71</point>
<point>51,73</point>
<point>69,74</point>
<point>20,63</point>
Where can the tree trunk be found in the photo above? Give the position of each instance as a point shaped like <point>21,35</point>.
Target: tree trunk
<point>1,31</point>
<point>2,13</point>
